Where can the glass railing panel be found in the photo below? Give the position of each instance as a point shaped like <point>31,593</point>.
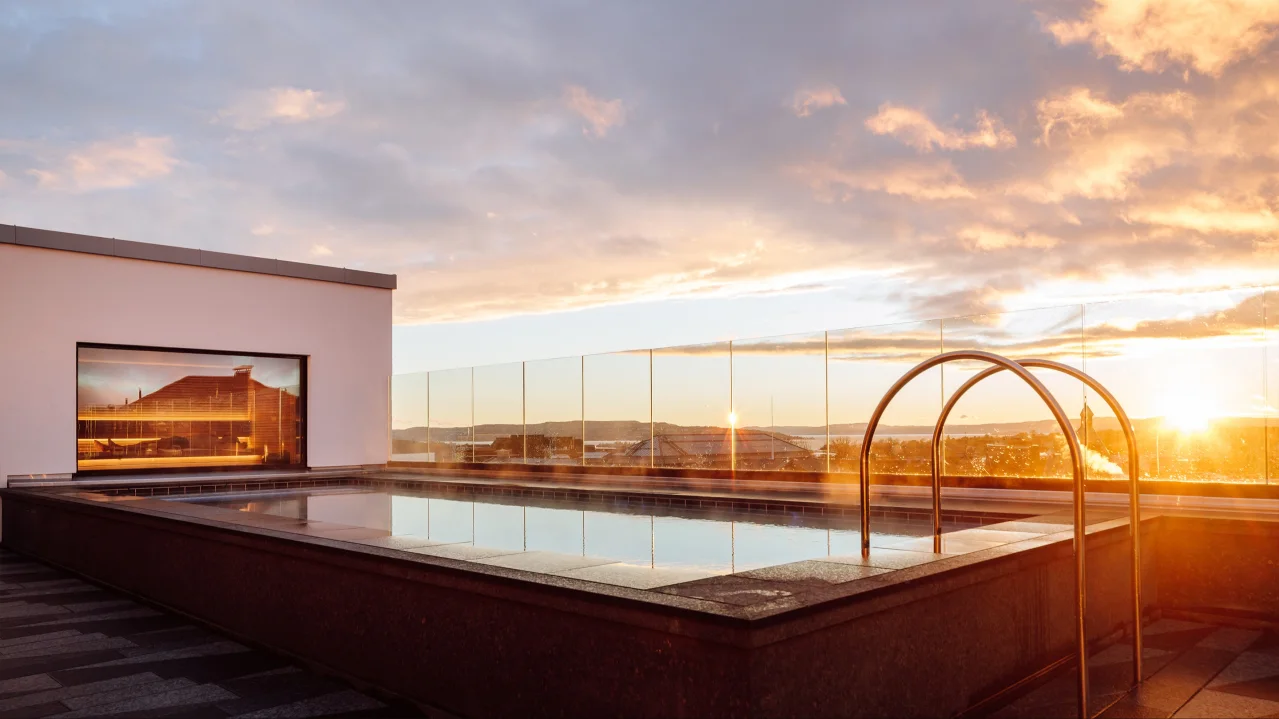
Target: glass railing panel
<point>617,405</point>
<point>1190,371</point>
<point>409,441</point>
<point>1001,428</point>
<point>499,413</point>
<point>692,396</point>
<point>451,420</point>
<point>553,411</point>
<point>863,364</point>
<point>1272,384</point>
<point>779,395</point>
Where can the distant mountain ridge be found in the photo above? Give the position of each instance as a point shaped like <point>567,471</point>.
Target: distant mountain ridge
<point>634,431</point>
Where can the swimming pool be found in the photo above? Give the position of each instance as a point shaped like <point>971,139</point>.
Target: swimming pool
<point>591,596</point>
<point>492,529</point>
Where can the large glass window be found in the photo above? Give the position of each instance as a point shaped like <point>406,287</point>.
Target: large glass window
<point>141,408</point>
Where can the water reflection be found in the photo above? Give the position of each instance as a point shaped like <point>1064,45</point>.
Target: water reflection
<point>719,545</point>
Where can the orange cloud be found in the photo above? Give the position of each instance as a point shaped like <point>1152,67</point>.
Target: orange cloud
<point>1076,111</point>
<point>981,237</point>
<point>1209,213</point>
<point>1207,35</point>
<point>915,129</point>
<point>1239,119</point>
<point>601,115</point>
<point>684,252</point>
<point>817,97</point>
<point>1100,148</point>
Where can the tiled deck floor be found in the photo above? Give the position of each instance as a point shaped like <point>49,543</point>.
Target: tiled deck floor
<point>72,649</point>
<point>1193,671</point>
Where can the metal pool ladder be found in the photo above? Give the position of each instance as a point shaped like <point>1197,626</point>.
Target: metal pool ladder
<point>1018,368</point>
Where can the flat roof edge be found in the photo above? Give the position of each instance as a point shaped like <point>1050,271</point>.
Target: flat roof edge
<point>128,249</point>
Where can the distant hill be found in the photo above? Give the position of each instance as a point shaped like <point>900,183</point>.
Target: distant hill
<point>633,431</point>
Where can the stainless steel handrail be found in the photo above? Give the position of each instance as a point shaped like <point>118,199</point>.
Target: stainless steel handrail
<point>1076,456</point>
<point>1134,496</point>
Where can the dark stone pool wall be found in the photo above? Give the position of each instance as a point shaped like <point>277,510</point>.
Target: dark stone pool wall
<point>932,640</point>
<point>1220,567</point>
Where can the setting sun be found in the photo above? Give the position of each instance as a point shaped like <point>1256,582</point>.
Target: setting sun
<point>1189,409</point>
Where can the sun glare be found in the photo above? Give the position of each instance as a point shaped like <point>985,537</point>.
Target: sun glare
<point>1189,409</point>
<point>732,419</point>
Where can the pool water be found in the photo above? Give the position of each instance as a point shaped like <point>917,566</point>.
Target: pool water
<point>720,544</point>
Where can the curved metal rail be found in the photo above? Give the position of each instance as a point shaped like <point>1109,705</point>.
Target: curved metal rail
<point>1076,456</point>
<point>1134,497</point>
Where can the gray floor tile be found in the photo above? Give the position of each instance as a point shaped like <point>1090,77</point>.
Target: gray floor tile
<point>204,650</point>
<point>335,703</point>
<point>202,694</point>
<point>57,584</point>
<point>54,695</point>
<point>1247,667</point>
<point>45,643</point>
<point>38,637</point>
<point>119,695</point>
<point>83,645</point>
<point>32,683</point>
<point>34,593</point>
<point>1230,639</point>
<point>23,609</point>
<point>1181,679</point>
<point>1209,704</point>
<point>38,711</point>
<point>112,604</point>
<point>1166,626</point>
<point>1122,653</point>
<point>1126,708</point>
<point>89,617</point>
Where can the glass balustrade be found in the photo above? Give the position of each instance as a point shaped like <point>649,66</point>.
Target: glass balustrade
<point>1198,374</point>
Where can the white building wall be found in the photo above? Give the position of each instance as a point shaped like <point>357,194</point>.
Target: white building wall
<point>51,299</point>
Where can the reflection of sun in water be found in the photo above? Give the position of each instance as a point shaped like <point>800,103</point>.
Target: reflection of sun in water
<point>1189,408</point>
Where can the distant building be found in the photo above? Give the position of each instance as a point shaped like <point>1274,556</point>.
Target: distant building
<point>532,448</point>
<point>754,449</point>
<point>1087,434</point>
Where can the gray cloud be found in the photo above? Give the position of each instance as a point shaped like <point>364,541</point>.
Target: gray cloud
<point>440,143</point>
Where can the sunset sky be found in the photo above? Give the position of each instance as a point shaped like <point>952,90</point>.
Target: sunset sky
<point>554,178</point>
